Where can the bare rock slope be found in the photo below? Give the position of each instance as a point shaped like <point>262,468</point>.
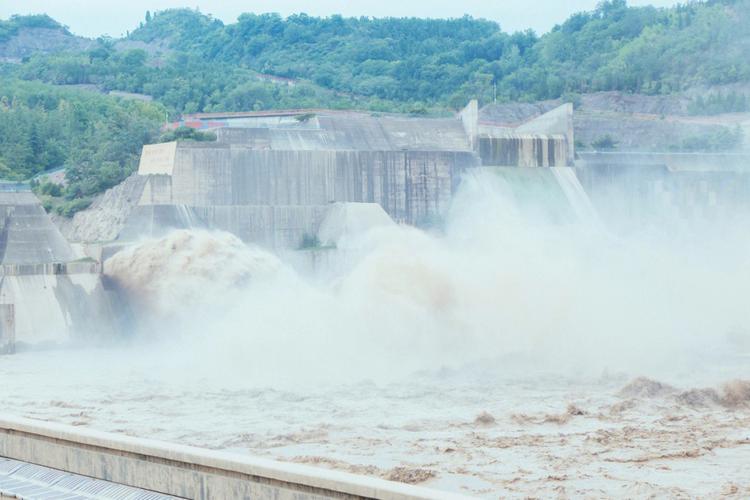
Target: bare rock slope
<point>636,122</point>
<point>31,41</point>
<point>106,216</point>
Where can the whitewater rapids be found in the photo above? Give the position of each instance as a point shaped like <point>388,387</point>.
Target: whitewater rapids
<point>509,354</point>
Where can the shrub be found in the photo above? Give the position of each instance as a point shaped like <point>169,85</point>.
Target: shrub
<point>70,208</point>
<point>309,241</point>
<point>604,143</point>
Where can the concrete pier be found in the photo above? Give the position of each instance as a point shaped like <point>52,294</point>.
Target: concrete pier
<point>184,471</point>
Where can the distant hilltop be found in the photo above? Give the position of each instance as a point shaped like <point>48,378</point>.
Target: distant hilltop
<point>431,61</point>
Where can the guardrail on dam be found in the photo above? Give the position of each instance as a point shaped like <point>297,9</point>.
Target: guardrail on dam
<point>185,471</point>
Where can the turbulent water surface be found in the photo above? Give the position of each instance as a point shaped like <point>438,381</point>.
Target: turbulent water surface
<point>506,354</point>
<point>477,430</point>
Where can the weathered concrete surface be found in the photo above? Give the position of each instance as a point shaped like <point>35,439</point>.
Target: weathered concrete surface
<point>470,121</point>
<point>7,329</point>
<point>519,150</point>
<point>154,221</point>
<point>630,189</point>
<point>22,480</point>
<point>269,178</point>
<point>185,471</point>
<point>55,297</point>
<point>27,235</point>
<point>56,309</point>
<point>353,132</point>
<point>550,194</point>
<point>697,162</point>
<point>157,190</point>
<point>157,158</point>
<point>409,185</point>
<point>344,220</point>
<point>271,226</point>
<point>558,121</point>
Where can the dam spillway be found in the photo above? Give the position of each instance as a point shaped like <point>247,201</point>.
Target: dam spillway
<point>407,291</point>
<point>274,179</point>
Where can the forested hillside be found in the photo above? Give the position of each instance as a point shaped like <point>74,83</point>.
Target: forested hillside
<point>188,62</point>
<point>400,64</point>
<point>97,138</point>
<point>615,47</point>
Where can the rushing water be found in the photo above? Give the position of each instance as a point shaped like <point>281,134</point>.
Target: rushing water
<point>489,358</point>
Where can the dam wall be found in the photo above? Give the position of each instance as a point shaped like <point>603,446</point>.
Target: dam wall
<point>271,226</point>
<point>409,185</point>
<point>54,309</point>
<point>674,162</point>
<point>55,295</point>
<point>270,176</point>
<point>187,472</point>
<point>635,188</point>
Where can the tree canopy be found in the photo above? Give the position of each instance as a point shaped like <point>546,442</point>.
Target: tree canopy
<point>398,63</point>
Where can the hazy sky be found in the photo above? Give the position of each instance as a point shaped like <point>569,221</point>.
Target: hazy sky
<point>97,17</point>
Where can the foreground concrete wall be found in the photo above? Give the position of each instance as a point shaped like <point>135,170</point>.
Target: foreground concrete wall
<point>347,220</point>
<point>185,471</point>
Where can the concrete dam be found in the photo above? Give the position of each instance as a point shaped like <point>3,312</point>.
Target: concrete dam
<point>271,179</point>
<point>294,186</point>
<point>281,180</point>
<point>285,180</point>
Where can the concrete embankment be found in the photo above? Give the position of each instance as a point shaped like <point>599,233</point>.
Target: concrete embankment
<point>186,471</point>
